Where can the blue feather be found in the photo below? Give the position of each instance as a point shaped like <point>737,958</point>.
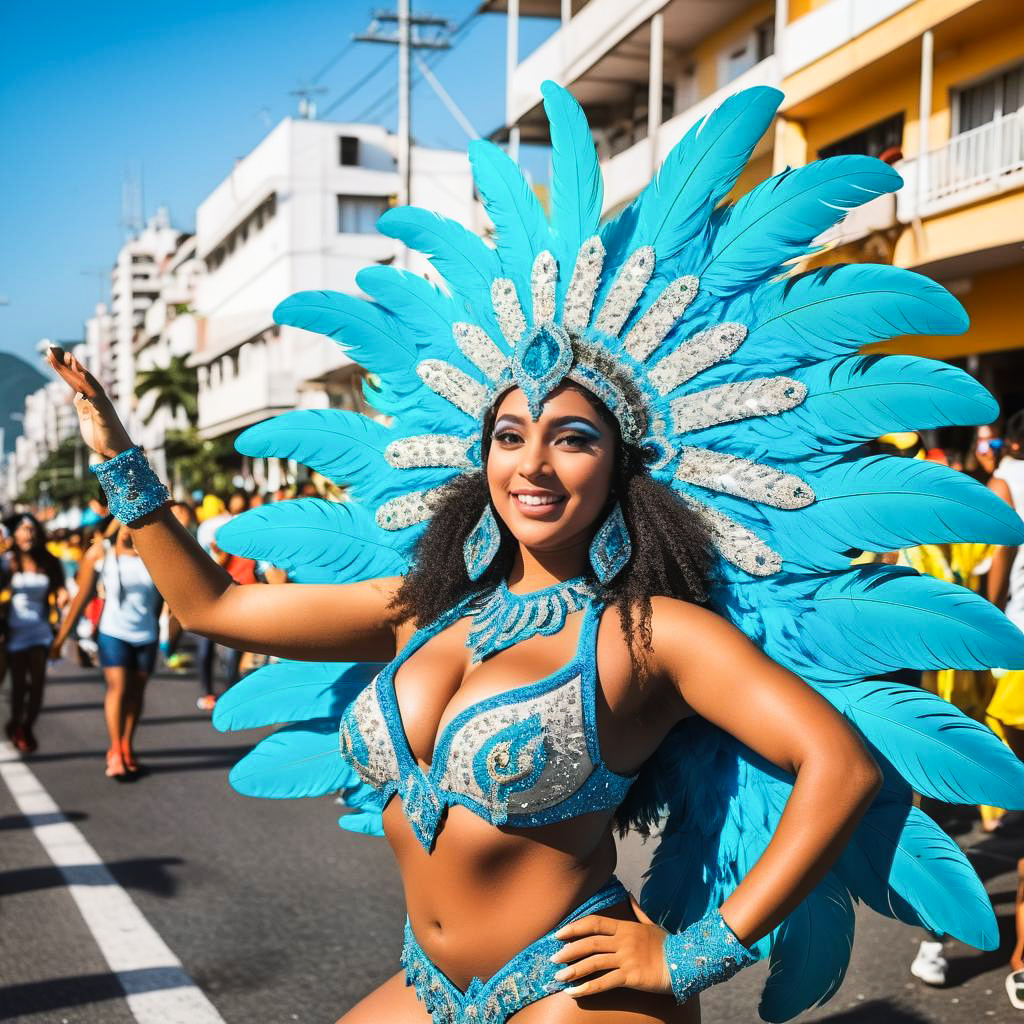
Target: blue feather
<point>701,169</point>
<point>519,222</point>
<point>460,257</point>
<point>365,823</point>
<point>318,541</point>
<point>291,691</point>
<point>379,343</point>
<point>874,619</point>
<point>886,503</point>
<point>810,953</point>
<point>941,752</point>
<point>853,400</point>
<point>426,313</point>
<point>346,447</point>
<point>577,188</point>
<point>832,311</point>
<point>902,865</point>
<point>296,761</point>
<point>777,220</point>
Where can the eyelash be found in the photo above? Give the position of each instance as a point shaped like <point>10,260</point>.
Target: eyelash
<point>574,440</point>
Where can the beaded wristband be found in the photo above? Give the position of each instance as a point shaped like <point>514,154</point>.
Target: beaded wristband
<point>131,486</point>
<point>704,954</point>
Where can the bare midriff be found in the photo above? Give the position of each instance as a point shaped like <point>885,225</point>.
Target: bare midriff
<point>484,893</point>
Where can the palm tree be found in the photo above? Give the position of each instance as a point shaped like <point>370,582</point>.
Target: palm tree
<point>176,388</point>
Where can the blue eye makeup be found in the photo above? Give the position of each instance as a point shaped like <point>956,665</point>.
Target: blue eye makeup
<point>581,427</point>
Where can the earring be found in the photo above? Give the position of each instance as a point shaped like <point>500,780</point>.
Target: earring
<point>611,547</point>
<point>482,544</point>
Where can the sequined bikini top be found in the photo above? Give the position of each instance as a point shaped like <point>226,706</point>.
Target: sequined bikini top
<point>525,757</point>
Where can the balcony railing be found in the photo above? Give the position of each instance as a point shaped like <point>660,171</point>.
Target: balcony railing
<point>973,165</point>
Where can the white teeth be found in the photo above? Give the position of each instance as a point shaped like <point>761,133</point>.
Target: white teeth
<point>536,499</point>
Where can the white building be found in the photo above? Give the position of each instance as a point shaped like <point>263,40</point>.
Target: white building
<point>298,213</point>
<point>169,329</point>
<point>99,345</point>
<point>134,284</point>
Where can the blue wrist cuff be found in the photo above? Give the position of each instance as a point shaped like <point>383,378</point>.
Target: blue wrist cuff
<point>704,954</point>
<point>131,486</point>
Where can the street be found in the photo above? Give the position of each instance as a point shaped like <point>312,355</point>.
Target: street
<point>270,912</point>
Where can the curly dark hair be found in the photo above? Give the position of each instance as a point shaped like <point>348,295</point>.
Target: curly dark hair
<point>672,556</point>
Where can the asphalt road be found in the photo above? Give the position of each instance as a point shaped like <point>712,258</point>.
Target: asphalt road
<point>279,916</point>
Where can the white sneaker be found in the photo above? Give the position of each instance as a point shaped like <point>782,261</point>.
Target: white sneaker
<point>1015,989</point>
<point>930,965</point>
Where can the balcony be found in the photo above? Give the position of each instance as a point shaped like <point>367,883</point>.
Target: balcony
<point>831,26</point>
<point>626,173</point>
<point>240,401</point>
<point>973,166</point>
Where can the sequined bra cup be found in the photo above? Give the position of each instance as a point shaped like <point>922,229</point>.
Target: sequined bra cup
<point>525,757</point>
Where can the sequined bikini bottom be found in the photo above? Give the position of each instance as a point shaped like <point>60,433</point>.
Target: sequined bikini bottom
<point>527,977</point>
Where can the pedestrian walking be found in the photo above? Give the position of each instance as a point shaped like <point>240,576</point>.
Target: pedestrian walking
<point>35,580</point>
<point>126,638</point>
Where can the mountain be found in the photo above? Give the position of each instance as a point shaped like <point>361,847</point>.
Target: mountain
<point>19,379</point>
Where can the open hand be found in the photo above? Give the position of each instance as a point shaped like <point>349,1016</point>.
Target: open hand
<point>630,953</point>
<point>102,431</point>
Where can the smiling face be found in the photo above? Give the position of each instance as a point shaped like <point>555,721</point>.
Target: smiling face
<point>549,479</point>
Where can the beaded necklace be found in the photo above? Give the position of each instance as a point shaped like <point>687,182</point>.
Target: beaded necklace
<point>501,619</point>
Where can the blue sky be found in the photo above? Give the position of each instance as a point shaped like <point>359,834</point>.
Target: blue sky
<point>180,91</point>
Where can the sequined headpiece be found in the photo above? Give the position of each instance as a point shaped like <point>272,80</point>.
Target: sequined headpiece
<point>677,315</point>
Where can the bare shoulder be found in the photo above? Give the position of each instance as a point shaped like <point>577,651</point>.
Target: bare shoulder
<point>683,632</point>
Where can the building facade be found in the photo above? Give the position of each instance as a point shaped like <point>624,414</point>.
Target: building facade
<point>134,284</point>
<point>934,87</point>
<point>298,213</point>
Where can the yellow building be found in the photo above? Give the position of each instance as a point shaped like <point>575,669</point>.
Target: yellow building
<point>935,87</point>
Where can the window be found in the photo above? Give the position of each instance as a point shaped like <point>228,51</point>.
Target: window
<point>883,139</point>
<point>988,100</point>
<point>756,46</point>
<point>348,150</point>
<point>357,215</point>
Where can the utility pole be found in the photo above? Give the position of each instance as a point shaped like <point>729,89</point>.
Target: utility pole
<point>407,37</point>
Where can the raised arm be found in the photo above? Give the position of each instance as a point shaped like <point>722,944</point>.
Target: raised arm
<point>315,622</point>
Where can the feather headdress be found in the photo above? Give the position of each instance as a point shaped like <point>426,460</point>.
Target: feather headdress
<point>744,386</point>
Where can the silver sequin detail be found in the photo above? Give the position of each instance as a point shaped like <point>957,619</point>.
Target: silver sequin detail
<point>653,327</point>
<point>480,349</point>
<point>429,450</point>
<point>407,509</point>
<point>738,545</point>
<point>507,310</point>
<point>627,289</point>
<point>704,349</point>
<point>579,298</point>
<point>451,383</point>
<point>742,478</point>
<point>381,763</point>
<point>739,400</point>
<point>568,762</point>
<point>542,287</point>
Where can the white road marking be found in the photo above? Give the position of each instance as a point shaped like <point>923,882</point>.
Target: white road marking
<point>157,989</point>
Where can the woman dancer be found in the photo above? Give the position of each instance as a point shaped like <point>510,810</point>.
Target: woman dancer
<point>582,494</point>
<point>126,638</point>
<point>36,582</point>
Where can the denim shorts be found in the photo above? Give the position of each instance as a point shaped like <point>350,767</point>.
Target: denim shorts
<point>117,653</point>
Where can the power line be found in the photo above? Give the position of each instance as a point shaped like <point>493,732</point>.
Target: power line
<point>433,59</point>
<point>334,60</point>
<point>352,90</point>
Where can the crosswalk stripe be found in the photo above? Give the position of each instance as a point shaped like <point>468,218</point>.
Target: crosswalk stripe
<point>157,989</point>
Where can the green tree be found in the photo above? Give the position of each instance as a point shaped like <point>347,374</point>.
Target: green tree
<point>199,464</point>
<point>175,386</point>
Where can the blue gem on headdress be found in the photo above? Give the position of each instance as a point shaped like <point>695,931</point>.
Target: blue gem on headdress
<point>540,363</point>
